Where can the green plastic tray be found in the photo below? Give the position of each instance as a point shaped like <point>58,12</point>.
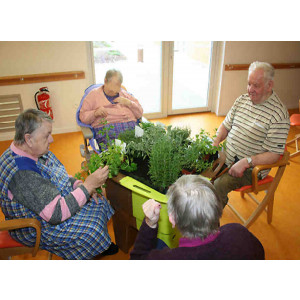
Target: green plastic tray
<point>140,194</point>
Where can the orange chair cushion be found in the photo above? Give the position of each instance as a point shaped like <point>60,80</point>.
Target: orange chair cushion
<point>6,241</point>
<point>267,179</point>
<point>295,120</point>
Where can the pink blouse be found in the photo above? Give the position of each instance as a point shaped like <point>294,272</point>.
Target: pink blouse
<point>117,113</point>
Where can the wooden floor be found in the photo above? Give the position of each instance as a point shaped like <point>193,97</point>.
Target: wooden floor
<point>281,239</point>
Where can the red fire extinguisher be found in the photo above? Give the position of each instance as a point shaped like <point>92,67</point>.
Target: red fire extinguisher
<point>41,98</point>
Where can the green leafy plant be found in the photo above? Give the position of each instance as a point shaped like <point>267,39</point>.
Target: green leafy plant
<point>113,156</point>
<point>196,155</point>
<point>167,151</point>
<point>164,163</point>
<point>158,156</point>
<point>142,146</point>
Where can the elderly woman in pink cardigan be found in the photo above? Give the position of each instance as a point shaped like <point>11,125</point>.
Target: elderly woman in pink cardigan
<point>110,106</point>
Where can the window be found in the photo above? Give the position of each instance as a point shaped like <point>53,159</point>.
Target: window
<point>166,77</point>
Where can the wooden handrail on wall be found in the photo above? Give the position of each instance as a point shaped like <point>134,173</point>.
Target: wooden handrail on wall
<point>33,78</point>
<point>239,67</point>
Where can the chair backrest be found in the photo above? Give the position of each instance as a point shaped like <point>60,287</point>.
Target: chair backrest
<point>92,141</point>
<point>87,90</point>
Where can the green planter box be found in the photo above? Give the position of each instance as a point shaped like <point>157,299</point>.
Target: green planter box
<point>127,196</point>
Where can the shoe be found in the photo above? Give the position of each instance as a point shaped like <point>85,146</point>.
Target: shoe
<point>112,249</point>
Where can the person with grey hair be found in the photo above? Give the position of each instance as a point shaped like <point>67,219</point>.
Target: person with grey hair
<point>110,106</point>
<point>195,209</point>
<point>34,184</point>
<point>255,129</point>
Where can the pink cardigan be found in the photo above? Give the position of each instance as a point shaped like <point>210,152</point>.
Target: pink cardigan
<point>117,113</point>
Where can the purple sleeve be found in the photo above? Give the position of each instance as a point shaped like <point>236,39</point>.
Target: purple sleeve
<point>145,242</point>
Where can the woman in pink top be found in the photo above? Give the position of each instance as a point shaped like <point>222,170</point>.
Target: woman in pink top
<point>110,105</point>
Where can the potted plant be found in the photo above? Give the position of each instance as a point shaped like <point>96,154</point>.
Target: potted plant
<point>148,165</point>
<point>158,156</point>
<point>162,153</point>
<point>113,156</point>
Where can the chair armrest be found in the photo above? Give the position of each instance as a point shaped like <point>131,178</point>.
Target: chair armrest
<point>23,223</point>
<point>281,162</point>
<point>87,132</point>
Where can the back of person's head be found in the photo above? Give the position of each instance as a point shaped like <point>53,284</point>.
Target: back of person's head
<point>113,73</point>
<point>27,122</point>
<point>269,70</point>
<point>195,206</point>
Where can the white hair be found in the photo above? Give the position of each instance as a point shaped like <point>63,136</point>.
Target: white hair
<point>27,122</point>
<point>269,70</point>
<point>195,206</point>
<point>112,73</point>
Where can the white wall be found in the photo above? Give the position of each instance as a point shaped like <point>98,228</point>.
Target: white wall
<point>23,58</point>
<point>234,83</point>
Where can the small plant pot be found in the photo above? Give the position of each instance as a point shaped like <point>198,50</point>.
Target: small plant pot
<point>188,172</point>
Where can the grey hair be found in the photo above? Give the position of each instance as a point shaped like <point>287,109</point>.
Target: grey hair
<point>195,206</point>
<point>112,73</point>
<point>27,122</point>
<point>269,71</point>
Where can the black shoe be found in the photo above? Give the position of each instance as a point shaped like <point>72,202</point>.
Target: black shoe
<point>113,249</point>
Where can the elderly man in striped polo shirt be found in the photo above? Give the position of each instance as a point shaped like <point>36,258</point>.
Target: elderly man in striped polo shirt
<point>255,128</point>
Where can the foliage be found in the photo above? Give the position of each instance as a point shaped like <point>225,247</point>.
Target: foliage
<point>196,155</point>
<point>100,44</point>
<point>79,176</point>
<point>164,163</point>
<point>141,146</point>
<point>113,157</point>
<point>169,150</point>
<point>163,152</point>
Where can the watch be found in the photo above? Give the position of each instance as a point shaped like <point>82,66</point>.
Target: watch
<point>249,160</point>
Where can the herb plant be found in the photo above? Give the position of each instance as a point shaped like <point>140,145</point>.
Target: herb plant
<point>161,152</point>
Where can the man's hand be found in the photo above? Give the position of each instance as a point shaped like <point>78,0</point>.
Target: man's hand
<point>222,133</point>
<point>96,179</point>
<point>151,210</point>
<point>123,101</point>
<point>100,112</point>
<point>238,169</point>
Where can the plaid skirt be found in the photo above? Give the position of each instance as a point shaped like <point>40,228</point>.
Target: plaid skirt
<point>83,236</point>
<point>113,133</point>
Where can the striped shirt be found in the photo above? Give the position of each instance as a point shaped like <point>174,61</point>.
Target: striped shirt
<point>256,128</point>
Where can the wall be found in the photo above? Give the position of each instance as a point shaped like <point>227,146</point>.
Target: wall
<point>22,58</point>
<point>234,83</point>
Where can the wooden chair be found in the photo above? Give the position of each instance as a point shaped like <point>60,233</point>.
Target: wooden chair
<point>8,246</point>
<point>269,184</point>
<point>295,121</point>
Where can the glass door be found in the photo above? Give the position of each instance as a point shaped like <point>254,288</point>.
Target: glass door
<point>190,74</point>
<point>140,64</point>
<point>166,77</point>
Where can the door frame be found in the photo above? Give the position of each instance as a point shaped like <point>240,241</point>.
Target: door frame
<point>167,61</point>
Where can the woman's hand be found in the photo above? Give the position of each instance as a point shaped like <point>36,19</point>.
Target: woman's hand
<point>96,179</point>
<point>100,112</point>
<point>123,101</point>
<point>151,210</point>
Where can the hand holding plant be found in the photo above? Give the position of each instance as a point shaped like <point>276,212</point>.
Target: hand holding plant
<point>96,179</point>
